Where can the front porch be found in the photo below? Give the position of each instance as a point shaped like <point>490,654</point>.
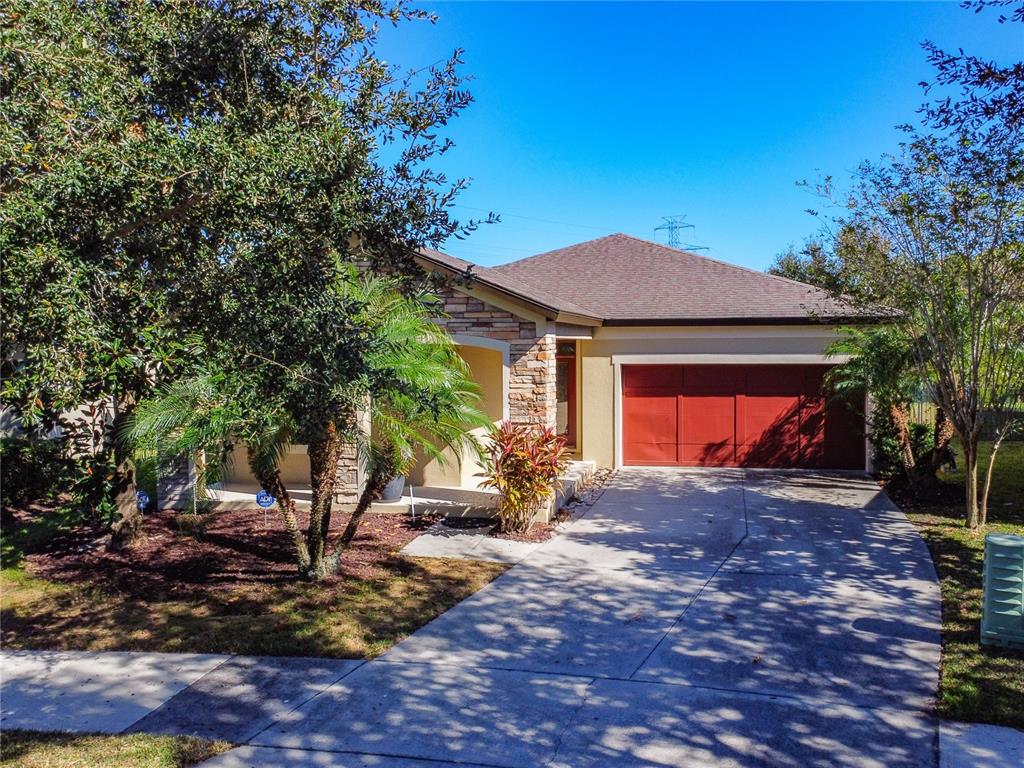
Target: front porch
<point>526,373</point>
<point>240,493</point>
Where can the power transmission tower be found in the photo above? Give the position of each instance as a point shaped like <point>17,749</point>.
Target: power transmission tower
<point>675,225</point>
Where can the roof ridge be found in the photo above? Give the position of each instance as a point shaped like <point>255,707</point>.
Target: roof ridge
<point>556,250</point>
<point>761,273</point>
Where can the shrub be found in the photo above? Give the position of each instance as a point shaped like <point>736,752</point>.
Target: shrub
<point>922,440</point>
<point>885,445</point>
<point>33,469</point>
<point>524,464</point>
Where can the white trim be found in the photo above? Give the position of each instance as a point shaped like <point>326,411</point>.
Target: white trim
<point>497,345</point>
<point>573,331</point>
<point>617,415</point>
<point>725,359</point>
<point>629,332</point>
<point>565,337</point>
<point>472,340</point>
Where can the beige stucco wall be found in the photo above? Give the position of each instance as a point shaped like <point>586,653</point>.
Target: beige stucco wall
<point>294,468</point>
<point>485,367</point>
<point>597,372</point>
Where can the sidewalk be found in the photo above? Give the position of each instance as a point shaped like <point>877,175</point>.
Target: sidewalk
<point>975,745</point>
<point>235,697</point>
<point>218,697</point>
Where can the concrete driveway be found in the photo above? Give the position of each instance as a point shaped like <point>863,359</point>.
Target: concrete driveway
<point>701,617</point>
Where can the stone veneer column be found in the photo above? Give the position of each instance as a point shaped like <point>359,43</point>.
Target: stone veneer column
<point>347,485</point>
<point>532,394</point>
<point>350,473</point>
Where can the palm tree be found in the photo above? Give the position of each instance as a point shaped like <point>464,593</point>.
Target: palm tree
<point>419,396</point>
<point>200,416</point>
<point>412,380</point>
<point>425,403</point>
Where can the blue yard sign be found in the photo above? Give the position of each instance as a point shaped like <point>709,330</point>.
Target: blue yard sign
<point>142,499</point>
<point>264,499</point>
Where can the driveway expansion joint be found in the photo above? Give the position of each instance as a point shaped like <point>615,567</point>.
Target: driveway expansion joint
<point>696,597</point>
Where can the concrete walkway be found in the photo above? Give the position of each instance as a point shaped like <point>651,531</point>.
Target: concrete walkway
<point>721,618</point>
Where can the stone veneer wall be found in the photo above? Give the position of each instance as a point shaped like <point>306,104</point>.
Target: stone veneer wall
<point>174,484</point>
<point>532,395</point>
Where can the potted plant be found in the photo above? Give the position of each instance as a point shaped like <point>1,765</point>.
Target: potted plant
<point>392,492</point>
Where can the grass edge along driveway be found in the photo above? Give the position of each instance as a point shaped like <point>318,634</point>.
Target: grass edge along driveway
<point>983,684</point>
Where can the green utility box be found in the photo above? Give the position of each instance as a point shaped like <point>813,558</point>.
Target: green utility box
<point>1002,614</point>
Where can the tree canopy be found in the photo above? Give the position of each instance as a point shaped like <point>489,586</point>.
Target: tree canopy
<point>169,168</point>
<point>936,232</point>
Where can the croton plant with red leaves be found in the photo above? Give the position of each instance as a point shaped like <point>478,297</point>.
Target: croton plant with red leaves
<point>524,464</point>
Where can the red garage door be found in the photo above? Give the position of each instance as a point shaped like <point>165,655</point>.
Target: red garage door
<point>736,415</point>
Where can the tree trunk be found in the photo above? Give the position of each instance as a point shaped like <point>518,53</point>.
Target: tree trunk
<point>971,480</point>
<point>943,435</point>
<point>272,483</point>
<point>983,512</point>
<point>323,468</point>
<point>375,484</point>
<point>901,421</point>
<point>125,531</point>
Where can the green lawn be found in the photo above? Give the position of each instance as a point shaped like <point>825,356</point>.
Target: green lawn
<point>979,683</point>
<point>28,749</point>
<point>347,618</point>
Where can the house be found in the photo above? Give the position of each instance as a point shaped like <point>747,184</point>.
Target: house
<point>644,355</point>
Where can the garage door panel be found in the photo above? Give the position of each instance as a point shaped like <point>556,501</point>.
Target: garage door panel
<point>709,379</point>
<point>812,430</point>
<point>708,418</point>
<point>717,454</point>
<point>767,380</point>
<point>765,414</point>
<point>667,378</point>
<point>707,428</point>
<point>650,429</point>
<point>777,448</point>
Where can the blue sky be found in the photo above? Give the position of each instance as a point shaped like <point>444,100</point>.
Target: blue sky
<point>592,118</point>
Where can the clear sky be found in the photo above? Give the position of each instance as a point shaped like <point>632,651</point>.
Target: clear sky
<point>592,118</point>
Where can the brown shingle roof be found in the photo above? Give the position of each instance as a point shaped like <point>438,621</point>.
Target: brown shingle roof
<point>624,279</point>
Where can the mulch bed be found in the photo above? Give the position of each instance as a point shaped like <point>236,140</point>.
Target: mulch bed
<point>232,548</point>
<point>487,525</point>
<point>535,533</point>
<point>908,498</point>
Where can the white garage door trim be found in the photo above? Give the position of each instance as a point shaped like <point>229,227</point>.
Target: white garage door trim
<point>713,359</point>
